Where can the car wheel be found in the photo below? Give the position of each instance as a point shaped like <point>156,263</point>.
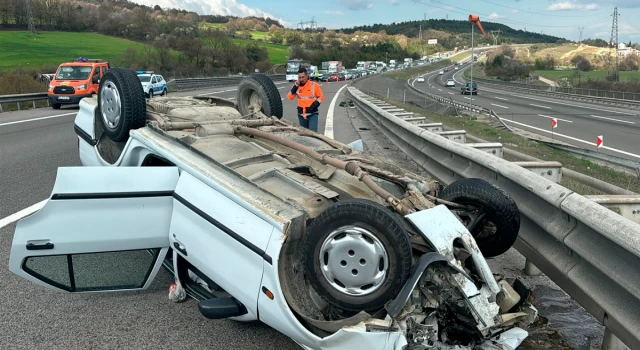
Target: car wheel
<point>150,93</point>
<point>495,220</point>
<point>55,106</point>
<point>164,92</point>
<point>357,255</point>
<point>259,91</point>
<point>121,103</point>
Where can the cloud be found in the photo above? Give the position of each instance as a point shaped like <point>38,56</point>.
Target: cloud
<point>336,12</point>
<point>215,7</point>
<point>394,2</point>
<point>359,4</point>
<point>495,16</point>
<point>515,11</point>
<point>564,6</point>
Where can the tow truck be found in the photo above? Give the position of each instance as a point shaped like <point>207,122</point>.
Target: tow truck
<point>76,80</point>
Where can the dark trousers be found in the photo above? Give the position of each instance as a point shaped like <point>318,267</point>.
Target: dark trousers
<point>310,123</point>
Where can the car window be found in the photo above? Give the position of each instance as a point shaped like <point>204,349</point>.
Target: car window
<point>103,70</point>
<point>153,80</point>
<point>160,78</point>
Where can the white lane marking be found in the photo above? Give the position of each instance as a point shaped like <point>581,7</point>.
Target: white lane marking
<point>531,104</point>
<point>231,98</point>
<point>34,119</point>
<point>546,116</point>
<point>616,120</point>
<point>469,98</point>
<point>493,104</point>
<point>439,89</point>
<point>22,213</point>
<point>451,93</point>
<point>328,126</point>
<point>573,138</point>
<point>500,98</point>
<point>559,103</point>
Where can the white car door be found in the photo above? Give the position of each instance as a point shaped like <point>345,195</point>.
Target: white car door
<point>102,229</point>
<point>223,239</point>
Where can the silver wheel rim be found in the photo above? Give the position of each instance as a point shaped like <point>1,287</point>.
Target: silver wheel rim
<point>354,261</point>
<point>110,105</point>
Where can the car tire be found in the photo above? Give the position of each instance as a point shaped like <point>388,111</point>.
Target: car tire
<point>259,90</point>
<point>164,92</point>
<point>121,103</point>
<point>55,106</point>
<point>150,93</point>
<point>500,210</point>
<point>378,245</point>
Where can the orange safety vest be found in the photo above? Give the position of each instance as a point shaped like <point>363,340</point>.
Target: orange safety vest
<point>307,95</point>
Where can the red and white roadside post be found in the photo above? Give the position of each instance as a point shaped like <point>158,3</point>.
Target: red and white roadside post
<point>599,142</point>
<point>554,124</point>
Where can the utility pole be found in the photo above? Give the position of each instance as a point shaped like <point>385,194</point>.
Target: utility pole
<point>495,37</point>
<point>614,42</point>
<point>32,28</point>
<point>420,35</point>
<point>580,29</point>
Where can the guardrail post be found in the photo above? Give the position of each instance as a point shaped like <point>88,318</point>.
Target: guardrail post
<point>404,96</point>
<point>34,104</point>
<point>628,206</point>
<point>18,104</point>
<point>611,342</point>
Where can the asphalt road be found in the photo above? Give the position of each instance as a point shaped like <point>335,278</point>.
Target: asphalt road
<point>33,144</point>
<point>578,123</point>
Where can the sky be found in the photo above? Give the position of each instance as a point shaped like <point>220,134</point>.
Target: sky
<point>556,17</point>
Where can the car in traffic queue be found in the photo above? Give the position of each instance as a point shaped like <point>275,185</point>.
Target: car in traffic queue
<point>259,219</point>
<point>468,89</point>
<point>420,80</point>
<point>75,80</point>
<point>450,83</point>
<point>441,72</point>
<point>152,84</point>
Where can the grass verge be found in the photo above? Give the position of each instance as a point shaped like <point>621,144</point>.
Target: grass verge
<point>278,54</point>
<point>49,49</point>
<point>534,149</point>
<point>594,75</point>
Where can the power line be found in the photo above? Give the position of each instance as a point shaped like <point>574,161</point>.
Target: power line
<point>542,14</point>
<point>614,35</point>
<point>580,29</point>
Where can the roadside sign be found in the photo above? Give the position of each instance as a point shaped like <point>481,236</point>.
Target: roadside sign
<point>554,123</point>
<point>599,141</point>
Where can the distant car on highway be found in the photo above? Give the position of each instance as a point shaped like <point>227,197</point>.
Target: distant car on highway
<point>152,83</point>
<point>441,72</point>
<point>466,89</point>
<point>456,68</point>
<point>450,82</point>
<point>420,80</point>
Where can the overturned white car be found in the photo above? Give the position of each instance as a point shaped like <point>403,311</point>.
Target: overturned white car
<point>259,219</point>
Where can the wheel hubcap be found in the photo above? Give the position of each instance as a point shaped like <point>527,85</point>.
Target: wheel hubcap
<point>354,261</point>
<point>110,104</point>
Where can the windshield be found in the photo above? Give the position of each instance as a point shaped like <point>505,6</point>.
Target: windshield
<point>144,78</point>
<point>292,67</point>
<point>74,73</point>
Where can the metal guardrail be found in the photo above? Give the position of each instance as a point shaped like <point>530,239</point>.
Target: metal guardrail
<point>172,85</point>
<point>38,96</point>
<point>614,98</point>
<point>580,242</point>
<point>199,83</point>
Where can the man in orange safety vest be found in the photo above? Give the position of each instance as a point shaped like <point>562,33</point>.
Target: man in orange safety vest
<point>310,97</point>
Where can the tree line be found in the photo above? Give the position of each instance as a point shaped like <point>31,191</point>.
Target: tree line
<point>412,29</point>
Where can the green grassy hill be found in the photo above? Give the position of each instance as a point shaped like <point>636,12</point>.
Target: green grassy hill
<point>278,54</point>
<point>19,48</point>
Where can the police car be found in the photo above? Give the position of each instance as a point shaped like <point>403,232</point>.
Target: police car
<point>152,84</point>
